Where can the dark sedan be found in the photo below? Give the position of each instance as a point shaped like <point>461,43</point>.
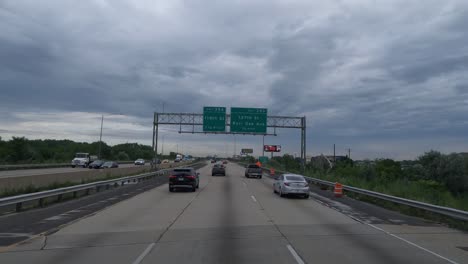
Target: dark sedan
<point>218,169</point>
<point>96,164</point>
<point>110,164</point>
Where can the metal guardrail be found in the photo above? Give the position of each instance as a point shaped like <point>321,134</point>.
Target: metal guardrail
<point>18,200</point>
<point>447,211</point>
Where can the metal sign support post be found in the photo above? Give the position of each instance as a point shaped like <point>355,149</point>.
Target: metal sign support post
<point>303,143</point>
<point>155,140</point>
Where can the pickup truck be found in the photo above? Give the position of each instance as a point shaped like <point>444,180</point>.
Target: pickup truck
<point>253,170</point>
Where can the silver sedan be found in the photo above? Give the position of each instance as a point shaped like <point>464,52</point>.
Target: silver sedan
<point>291,184</point>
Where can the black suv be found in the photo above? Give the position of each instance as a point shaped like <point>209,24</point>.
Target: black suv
<point>184,178</point>
<point>218,169</point>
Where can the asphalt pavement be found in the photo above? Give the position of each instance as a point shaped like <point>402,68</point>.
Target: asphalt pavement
<point>33,172</point>
<point>233,219</point>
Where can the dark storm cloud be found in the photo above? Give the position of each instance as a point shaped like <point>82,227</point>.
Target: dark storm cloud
<point>367,75</point>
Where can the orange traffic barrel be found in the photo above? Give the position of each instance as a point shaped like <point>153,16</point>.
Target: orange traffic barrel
<point>272,171</point>
<point>338,190</point>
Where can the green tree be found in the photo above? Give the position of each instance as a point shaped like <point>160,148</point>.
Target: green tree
<point>388,169</point>
<point>123,156</point>
<point>431,162</point>
<point>18,147</point>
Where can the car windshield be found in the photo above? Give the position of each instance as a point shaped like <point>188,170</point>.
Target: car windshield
<point>305,131</point>
<point>294,178</point>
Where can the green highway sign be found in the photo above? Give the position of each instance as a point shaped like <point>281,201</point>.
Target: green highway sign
<point>214,119</point>
<point>263,159</point>
<point>248,120</point>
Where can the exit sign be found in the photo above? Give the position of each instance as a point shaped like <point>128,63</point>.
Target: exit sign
<point>214,119</point>
<point>248,120</point>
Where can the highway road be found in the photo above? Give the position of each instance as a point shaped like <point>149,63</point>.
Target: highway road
<point>33,172</point>
<point>237,220</point>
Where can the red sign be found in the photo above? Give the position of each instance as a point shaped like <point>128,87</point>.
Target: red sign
<point>272,148</point>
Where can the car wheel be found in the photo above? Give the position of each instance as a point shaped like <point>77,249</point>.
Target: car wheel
<point>73,166</point>
<point>259,177</point>
<point>281,193</point>
<point>198,185</point>
<point>171,189</point>
<point>306,196</point>
<point>274,189</point>
<point>194,188</point>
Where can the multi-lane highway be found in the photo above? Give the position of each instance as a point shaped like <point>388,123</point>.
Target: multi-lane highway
<point>237,220</point>
<point>33,172</point>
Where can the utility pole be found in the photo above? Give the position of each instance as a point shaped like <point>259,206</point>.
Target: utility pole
<point>100,136</point>
<point>263,146</point>
<point>349,153</point>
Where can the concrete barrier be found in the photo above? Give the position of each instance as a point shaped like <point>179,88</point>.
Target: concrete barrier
<point>74,177</point>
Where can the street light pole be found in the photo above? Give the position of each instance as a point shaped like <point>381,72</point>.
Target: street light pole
<point>100,137</point>
<point>235,146</point>
<point>100,134</point>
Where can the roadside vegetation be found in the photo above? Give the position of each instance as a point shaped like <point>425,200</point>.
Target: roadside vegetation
<point>20,150</point>
<point>433,177</point>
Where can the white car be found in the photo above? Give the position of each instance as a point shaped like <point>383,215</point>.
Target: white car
<point>140,162</point>
<point>291,184</point>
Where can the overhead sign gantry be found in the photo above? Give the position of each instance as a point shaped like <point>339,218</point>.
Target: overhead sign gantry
<point>241,121</point>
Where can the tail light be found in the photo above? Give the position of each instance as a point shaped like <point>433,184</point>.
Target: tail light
<point>190,177</point>
<point>172,177</point>
<point>286,183</point>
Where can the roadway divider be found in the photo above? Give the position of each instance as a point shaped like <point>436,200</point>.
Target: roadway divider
<point>447,211</point>
<point>78,176</point>
<point>44,166</point>
<point>40,197</point>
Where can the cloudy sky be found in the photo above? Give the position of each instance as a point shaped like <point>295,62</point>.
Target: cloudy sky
<point>384,78</point>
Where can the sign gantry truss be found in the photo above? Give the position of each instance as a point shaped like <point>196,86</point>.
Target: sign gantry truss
<point>193,123</point>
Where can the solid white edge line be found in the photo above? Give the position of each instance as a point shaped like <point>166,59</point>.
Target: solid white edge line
<point>143,255</point>
<point>393,235</point>
<point>413,244</point>
<point>253,198</point>
<point>295,255</point>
